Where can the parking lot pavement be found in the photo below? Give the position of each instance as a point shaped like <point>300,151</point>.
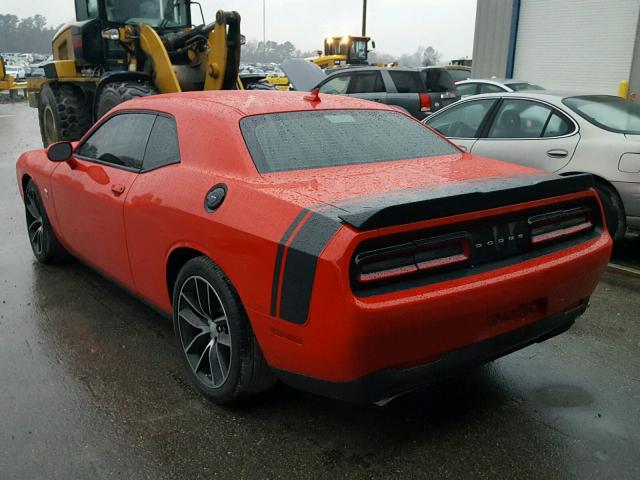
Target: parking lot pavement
<point>90,387</point>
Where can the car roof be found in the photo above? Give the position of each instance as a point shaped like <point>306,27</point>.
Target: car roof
<point>371,67</point>
<point>502,81</point>
<point>248,102</point>
<point>534,94</point>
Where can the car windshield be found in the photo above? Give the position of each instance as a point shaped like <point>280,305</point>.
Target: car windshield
<point>608,112</point>
<point>522,86</point>
<point>315,139</point>
<point>156,13</point>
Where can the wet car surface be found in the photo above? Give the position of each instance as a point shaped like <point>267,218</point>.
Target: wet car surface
<point>92,388</point>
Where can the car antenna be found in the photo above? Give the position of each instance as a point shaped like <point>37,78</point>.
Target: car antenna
<point>314,96</point>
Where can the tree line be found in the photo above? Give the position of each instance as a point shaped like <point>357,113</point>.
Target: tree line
<point>32,35</point>
<point>25,35</point>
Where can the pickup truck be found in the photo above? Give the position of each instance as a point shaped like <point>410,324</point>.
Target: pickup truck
<point>403,88</point>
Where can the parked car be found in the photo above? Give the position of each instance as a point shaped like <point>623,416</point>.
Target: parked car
<point>597,134</point>
<point>403,88</point>
<point>335,244</point>
<point>16,71</point>
<point>470,87</point>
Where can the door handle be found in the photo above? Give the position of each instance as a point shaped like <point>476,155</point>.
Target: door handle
<point>558,153</point>
<point>117,189</point>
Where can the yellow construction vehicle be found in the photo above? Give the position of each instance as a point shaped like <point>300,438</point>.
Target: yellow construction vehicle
<point>345,50</point>
<point>8,82</point>
<point>120,49</point>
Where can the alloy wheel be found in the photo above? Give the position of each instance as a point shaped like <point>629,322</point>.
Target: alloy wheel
<point>204,331</point>
<point>35,226</point>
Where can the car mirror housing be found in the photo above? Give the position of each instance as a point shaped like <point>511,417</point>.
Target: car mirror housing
<point>60,151</point>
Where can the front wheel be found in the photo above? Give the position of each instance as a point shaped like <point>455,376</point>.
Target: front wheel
<point>214,336</point>
<point>46,247</point>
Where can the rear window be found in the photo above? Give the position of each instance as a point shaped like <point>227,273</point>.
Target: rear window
<point>459,75</point>
<point>610,113</point>
<point>438,80</point>
<point>315,139</point>
<point>523,86</point>
<point>407,82</point>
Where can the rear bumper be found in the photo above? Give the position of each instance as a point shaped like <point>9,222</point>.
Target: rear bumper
<point>394,381</point>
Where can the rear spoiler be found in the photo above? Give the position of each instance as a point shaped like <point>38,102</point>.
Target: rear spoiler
<point>414,205</point>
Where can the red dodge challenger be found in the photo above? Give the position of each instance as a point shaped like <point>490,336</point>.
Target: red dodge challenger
<point>332,243</point>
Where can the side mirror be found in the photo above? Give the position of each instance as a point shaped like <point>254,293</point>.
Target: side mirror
<point>373,45</point>
<point>60,151</point>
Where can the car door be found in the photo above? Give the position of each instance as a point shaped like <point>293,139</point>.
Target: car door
<point>89,192</point>
<point>368,85</point>
<point>529,132</point>
<point>462,122</point>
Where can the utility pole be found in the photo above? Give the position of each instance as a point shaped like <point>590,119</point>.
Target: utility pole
<point>264,24</point>
<point>364,18</point>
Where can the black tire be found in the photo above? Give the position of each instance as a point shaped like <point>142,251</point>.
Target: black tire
<point>46,247</point>
<point>63,112</point>
<point>248,373</point>
<point>614,214</point>
<point>115,93</point>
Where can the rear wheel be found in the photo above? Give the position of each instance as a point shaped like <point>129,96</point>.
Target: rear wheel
<point>44,243</point>
<point>613,210</point>
<point>214,336</point>
<point>115,93</point>
<point>63,113</point>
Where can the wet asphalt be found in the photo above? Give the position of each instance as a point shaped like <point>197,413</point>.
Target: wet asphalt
<point>91,388</point>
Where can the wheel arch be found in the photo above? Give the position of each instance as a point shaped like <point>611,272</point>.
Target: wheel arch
<point>596,179</point>
<point>24,181</point>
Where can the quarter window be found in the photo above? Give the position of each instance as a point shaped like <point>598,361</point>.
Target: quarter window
<point>336,86</point>
<point>463,120</point>
<point>120,141</point>
<point>407,82</point>
<point>162,148</point>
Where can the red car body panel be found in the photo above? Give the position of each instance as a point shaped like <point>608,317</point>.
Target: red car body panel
<point>128,225</point>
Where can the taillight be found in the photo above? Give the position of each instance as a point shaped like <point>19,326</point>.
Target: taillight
<point>556,226</point>
<point>425,102</point>
<point>409,258</point>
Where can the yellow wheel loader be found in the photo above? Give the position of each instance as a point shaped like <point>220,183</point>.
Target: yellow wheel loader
<point>346,50</point>
<point>120,49</point>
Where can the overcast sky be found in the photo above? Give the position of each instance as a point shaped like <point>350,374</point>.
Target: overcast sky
<point>397,26</point>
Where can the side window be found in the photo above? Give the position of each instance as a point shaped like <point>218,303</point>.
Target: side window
<point>92,8</point>
<point>467,89</point>
<point>162,148</point>
<point>120,141</point>
<point>369,82</point>
<point>86,9</point>
<point>407,82</point>
<point>557,126</point>
<point>462,121</point>
<point>489,88</point>
<point>520,119</point>
<point>336,86</point>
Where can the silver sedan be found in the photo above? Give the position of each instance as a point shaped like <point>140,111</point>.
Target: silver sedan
<point>597,134</point>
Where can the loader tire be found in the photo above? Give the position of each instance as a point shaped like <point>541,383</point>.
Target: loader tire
<point>115,93</point>
<point>63,112</point>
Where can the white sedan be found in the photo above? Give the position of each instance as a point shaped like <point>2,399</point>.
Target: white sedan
<point>597,134</point>
<point>476,86</point>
